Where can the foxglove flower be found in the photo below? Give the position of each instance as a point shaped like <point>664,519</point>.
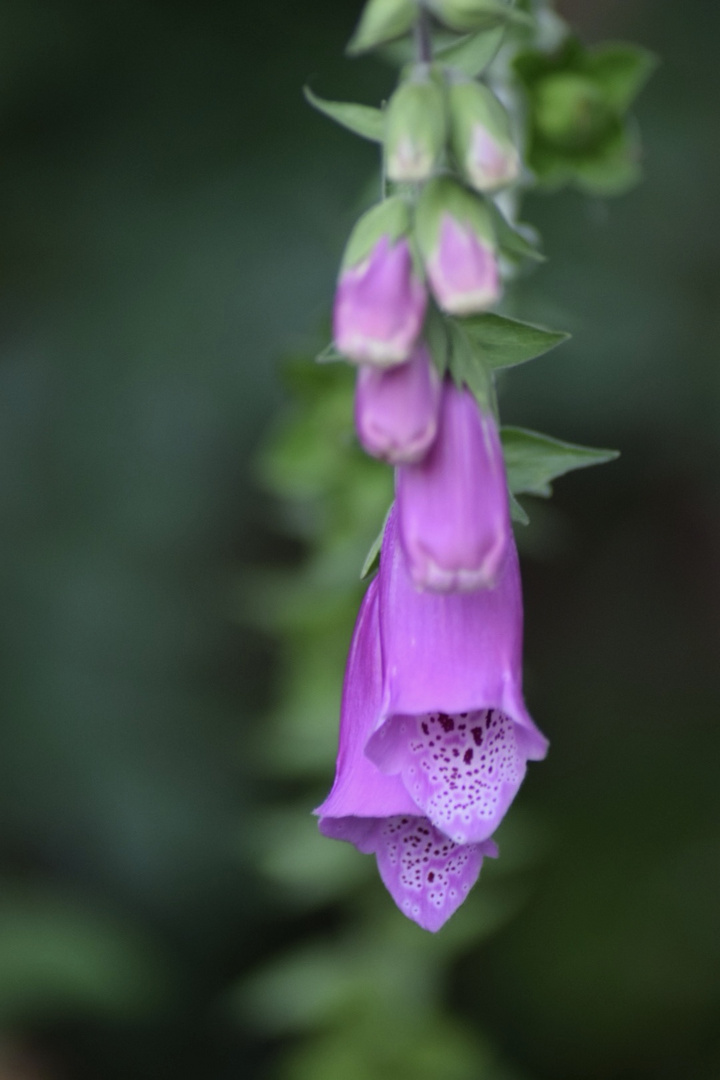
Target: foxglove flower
<point>481,138</point>
<point>458,247</point>
<point>452,722</point>
<point>396,410</point>
<point>452,507</point>
<point>380,299</point>
<point>427,874</point>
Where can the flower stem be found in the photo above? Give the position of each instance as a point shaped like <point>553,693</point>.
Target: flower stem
<point>423,40</point>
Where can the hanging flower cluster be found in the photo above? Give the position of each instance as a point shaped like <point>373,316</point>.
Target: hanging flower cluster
<point>434,732</point>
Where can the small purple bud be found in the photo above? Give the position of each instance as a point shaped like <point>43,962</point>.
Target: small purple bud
<point>481,137</point>
<point>379,306</point>
<point>453,512</point>
<point>396,410</point>
<point>463,270</point>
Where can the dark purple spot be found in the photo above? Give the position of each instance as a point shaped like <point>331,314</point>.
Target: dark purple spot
<point>431,875</point>
<point>477,734</point>
<point>468,755</point>
<point>446,722</point>
<point>425,728</point>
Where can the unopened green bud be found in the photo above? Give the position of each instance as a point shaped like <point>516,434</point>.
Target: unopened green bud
<point>571,111</point>
<point>415,130</point>
<point>481,138</point>
<point>467,15</point>
<point>381,21</point>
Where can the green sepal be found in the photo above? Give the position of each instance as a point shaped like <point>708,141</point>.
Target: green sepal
<point>390,218</point>
<point>533,460</point>
<point>444,195</point>
<point>473,53</point>
<point>476,15</point>
<point>615,167</point>
<point>517,511</point>
<point>622,70</point>
<point>514,244</point>
<point>329,355</point>
<point>504,342</point>
<point>382,21</point>
<point>473,105</point>
<point>372,559</point>
<point>467,368</point>
<point>578,132</point>
<point>362,120</point>
<point>437,339</point>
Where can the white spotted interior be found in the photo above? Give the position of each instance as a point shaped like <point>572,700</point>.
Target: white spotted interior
<point>462,770</point>
<point>427,874</point>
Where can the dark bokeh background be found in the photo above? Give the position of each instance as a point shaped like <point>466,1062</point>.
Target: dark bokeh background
<point>171,217</point>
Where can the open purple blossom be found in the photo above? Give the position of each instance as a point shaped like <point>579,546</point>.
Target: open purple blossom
<point>396,409</point>
<point>452,722</point>
<point>452,506</point>
<point>379,306</point>
<point>427,874</point>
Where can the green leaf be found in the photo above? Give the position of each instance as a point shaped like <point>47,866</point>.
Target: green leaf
<point>477,15</point>
<point>613,168</point>
<point>517,512</point>
<point>622,71</point>
<point>472,53</point>
<point>381,21</point>
<point>372,560</point>
<point>329,355</point>
<point>436,336</point>
<point>363,120</point>
<point>506,342</point>
<point>467,367</point>
<point>511,241</point>
<point>533,460</point>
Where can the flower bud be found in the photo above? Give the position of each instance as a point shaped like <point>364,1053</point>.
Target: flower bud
<point>380,299</point>
<point>470,15</point>
<point>453,513</point>
<point>396,410</point>
<point>415,130</point>
<point>481,139</point>
<point>571,111</point>
<point>381,21</point>
<point>456,239</point>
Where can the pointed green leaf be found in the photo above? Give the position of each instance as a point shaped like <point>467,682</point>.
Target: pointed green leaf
<point>517,512</point>
<point>622,71</point>
<point>363,120</point>
<point>436,336</point>
<point>513,242</point>
<point>472,53</point>
<point>533,460</point>
<point>466,365</point>
<point>329,355</point>
<point>381,21</point>
<point>372,561</point>
<point>506,342</point>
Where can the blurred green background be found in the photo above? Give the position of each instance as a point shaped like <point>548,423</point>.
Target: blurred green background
<point>171,219</point>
